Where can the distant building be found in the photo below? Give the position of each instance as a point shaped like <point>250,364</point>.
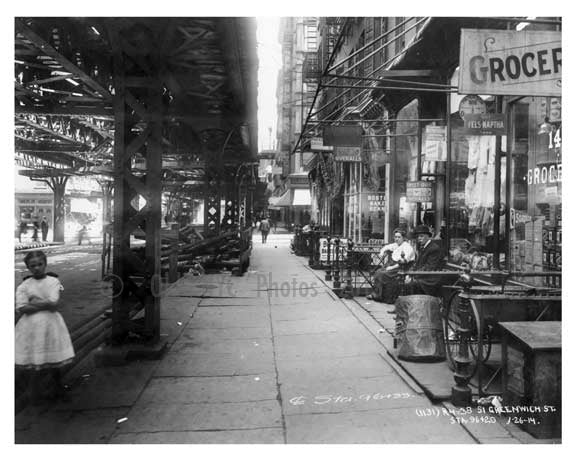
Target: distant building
<point>297,84</point>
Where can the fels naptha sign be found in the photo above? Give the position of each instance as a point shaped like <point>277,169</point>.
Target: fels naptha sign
<point>506,62</point>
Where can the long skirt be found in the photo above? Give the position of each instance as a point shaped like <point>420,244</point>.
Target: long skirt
<point>386,286</point>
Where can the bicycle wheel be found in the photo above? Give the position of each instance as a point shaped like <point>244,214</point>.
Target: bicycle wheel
<point>485,331</point>
<point>452,322</point>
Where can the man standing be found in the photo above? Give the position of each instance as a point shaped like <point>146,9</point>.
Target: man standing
<point>430,258</point>
<point>35,229</point>
<point>44,228</point>
<point>264,229</point>
<point>22,229</point>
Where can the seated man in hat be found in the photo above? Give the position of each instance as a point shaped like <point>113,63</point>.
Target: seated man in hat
<point>430,258</point>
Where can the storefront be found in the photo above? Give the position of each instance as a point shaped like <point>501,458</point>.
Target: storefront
<point>469,143</point>
<point>476,163</point>
<point>508,182</point>
<point>33,207</point>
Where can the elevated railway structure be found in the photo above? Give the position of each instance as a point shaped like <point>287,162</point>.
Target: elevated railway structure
<point>153,108</point>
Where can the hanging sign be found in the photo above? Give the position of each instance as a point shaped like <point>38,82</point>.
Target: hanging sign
<point>317,145</point>
<point>343,136</point>
<point>485,124</point>
<point>471,104</point>
<point>347,154</point>
<point>419,191</point>
<point>510,62</point>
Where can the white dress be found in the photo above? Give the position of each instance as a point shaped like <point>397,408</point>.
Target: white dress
<point>397,250</point>
<point>42,339</point>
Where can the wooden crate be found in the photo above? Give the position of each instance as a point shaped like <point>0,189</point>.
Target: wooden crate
<point>532,376</point>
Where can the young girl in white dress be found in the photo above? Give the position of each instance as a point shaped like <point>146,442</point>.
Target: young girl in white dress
<point>43,344</point>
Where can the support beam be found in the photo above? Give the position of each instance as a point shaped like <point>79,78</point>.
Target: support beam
<point>50,130</point>
<point>66,64</point>
<point>145,110</point>
<point>58,186</point>
<point>121,247</point>
<point>105,112</point>
<point>154,214</point>
<point>228,29</point>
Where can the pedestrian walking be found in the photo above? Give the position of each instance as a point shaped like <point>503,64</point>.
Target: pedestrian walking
<point>264,229</point>
<point>82,234</point>
<point>43,344</point>
<point>44,228</point>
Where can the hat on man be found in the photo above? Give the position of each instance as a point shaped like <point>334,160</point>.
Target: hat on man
<point>421,229</point>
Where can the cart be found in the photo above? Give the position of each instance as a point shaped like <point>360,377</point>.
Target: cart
<point>477,311</point>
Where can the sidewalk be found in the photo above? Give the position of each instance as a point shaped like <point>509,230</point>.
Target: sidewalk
<point>270,357</point>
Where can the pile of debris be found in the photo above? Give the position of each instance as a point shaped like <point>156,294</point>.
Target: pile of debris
<point>189,250</point>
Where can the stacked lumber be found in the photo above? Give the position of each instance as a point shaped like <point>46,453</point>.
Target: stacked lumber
<point>188,248</point>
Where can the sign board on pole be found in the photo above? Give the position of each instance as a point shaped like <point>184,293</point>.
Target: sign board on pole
<point>510,62</point>
<point>347,154</point>
<point>419,191</point>
<point>485,124</point>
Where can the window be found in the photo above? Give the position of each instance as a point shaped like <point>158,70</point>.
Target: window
<point>536,188</point>
<point>471,215</point>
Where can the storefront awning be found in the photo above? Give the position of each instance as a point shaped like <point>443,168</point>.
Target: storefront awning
<point>302,197</point>
<point>283,200</point>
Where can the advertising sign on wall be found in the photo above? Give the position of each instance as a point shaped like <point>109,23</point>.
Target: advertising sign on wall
<point>510,62</point>
<point>376,202</point>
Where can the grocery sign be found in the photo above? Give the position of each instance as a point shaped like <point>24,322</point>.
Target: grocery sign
<point>509,62</point>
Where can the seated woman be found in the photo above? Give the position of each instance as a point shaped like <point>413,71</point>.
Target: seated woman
<point>400,253</point>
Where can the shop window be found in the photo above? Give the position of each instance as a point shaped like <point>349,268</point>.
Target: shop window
<point>471,208</point>
<point>405,148</point>
<point>536,188</point>
<point>26,213</point>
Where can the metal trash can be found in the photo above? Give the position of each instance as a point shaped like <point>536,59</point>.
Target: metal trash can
<point>419,333</point>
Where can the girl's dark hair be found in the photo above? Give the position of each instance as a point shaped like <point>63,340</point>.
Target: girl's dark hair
<point>402,232</point>
<point>35,254</point>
